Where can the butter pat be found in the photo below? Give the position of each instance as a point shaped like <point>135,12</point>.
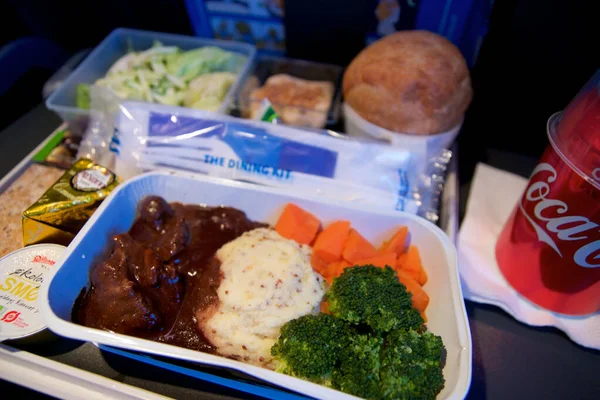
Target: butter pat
<point>66,206</point>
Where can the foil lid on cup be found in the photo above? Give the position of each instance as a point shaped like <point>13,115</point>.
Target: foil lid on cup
<point>22,273</point>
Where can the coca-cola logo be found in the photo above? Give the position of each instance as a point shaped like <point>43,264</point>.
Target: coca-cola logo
<point>551,215</point>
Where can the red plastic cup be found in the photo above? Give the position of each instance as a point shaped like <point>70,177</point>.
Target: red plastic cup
<point>549,250</point>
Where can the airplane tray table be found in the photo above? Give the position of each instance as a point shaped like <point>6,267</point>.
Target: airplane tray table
<point>71,369</point>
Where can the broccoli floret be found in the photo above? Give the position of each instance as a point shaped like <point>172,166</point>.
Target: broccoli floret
<point>309,347</point>
<point>358,370</point>
<point>373,296</point>
<point>373,345</point>
<point>411,365</point>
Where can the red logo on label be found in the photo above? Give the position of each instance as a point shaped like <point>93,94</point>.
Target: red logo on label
<point>576,235</point>
<point>10,316</point>
<point>43,260</point>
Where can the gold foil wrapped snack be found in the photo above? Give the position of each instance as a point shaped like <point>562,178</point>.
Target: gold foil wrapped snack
<point>63,210</point>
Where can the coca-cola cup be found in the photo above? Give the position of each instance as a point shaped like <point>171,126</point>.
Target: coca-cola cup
<point>549,250</point>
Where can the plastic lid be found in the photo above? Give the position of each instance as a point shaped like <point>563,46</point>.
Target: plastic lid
<point>576,134</point>
<point>22,272</point>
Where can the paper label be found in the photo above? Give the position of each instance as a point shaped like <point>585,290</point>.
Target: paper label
<point>22,273</point>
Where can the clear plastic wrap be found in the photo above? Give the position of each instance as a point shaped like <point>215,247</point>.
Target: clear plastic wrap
<point>134,137</point>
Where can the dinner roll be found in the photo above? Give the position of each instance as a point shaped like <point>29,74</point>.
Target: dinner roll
<point>409,82</point>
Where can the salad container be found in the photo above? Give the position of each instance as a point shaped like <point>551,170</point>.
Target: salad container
<point>64,100</point>
<point>446,311</point>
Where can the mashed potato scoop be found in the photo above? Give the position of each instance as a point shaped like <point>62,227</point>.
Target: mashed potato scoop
<point>267,280</point>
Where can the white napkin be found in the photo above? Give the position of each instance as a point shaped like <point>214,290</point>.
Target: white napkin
<point>494,193</point>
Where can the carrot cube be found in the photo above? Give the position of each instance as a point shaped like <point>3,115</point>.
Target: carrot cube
<point>330,243</point>
<point>335,269</point>
<point>410,262</point>
<point>379,261</point>
<point>397,243</point>
<point>357,248</point>
<point>297,224</point>
<point>420,299</point>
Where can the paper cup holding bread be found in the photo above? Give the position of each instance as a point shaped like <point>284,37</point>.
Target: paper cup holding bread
<point>411,89</point>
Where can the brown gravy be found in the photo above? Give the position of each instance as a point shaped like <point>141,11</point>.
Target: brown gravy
<point>161,273</point>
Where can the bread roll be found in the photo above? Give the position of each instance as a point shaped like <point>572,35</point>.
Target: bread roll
<point>410,82</point>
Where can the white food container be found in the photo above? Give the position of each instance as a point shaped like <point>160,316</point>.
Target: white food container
<point>423,146</point>
<point>22,273</point>
<point>446,312</point>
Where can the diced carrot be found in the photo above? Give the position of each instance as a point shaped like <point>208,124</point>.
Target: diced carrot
<point>397,243</point>
<point>379,261</point>
<point>335,269</point>
<point>297,224</point>
<point>357,248</point>
<point>423,276</point>
<point>410,262</point>
<point>324,306</point>
<point>420,299</point>
<point>330,243</point>
<point>318,264</point>
<point>328,277</point>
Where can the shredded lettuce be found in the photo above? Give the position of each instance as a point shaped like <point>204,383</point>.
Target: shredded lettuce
<point>207,91</point>
<point>83,96</point>
<point>193,63</point>
<point>198,78</point>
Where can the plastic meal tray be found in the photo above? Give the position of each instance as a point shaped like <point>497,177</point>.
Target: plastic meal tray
<point>446,313</point>
<point>71,369</point>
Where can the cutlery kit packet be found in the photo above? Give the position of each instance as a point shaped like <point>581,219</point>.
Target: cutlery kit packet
<point>132,138</point>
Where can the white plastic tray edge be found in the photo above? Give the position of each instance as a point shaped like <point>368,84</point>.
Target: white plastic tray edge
<point>58,373</point>
<point>63,381</point>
